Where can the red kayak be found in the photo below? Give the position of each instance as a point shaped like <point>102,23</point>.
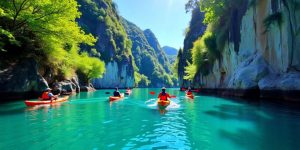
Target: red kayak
<point>34,103</point>
<point>190,96</point>
<point>114,98</point>
<point>163,103</point>
<point>196,90</point>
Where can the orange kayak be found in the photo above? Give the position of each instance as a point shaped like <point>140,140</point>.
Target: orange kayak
<point>114,98</point>
<point>34,103</point>
<point>190,96</point>
<point>163,103</point>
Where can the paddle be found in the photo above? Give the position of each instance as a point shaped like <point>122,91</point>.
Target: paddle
<point>152,93</point>
<point>107,92</point>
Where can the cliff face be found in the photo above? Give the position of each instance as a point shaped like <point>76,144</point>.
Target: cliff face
<point>101,19</point>
<point>195,29</point>
<point>21,80</point>
<point>171,53</point>
<point>159,51</point>
<point>149,58</point>
<point>264,58</point>
<point>116,76</point>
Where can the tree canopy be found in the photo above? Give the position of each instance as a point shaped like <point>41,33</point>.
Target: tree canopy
<point>51,31</point>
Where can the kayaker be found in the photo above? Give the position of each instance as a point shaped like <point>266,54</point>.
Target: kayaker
<point>117,93</point>
<point>163,95</point>
<point>47,95</point>
<point>189,91</point>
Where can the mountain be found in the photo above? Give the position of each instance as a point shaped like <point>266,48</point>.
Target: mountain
<point>171,53</point>
<point>162,58</point>
<point>150,59</point>
<point>170,50</point>
<point>101,19</point>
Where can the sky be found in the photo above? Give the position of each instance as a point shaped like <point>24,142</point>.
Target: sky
<point>166,18</point>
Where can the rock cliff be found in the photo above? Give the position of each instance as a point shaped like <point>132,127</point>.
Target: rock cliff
<point>151,61</point>
<point>101,19</point>
<point>262,58</point>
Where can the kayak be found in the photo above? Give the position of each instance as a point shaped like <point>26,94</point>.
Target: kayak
<point>189,96</point>
<point>128,92</point>
<point>196,90</point>
<point>34,103</point>
<point>114,98</point>
<point>163,103</point>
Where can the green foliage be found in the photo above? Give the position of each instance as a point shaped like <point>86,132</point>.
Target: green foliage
<point>191,5</point>
<point>275,18</point>
<point>190,71</point>
<point>115,44</point>
<point>175,69</point>
<point>7,37</point>
<point>204,54</point>
<point>146,58</point>
<point>91,68</point>
<point>213,9</point>
<point>141,80</point>
<point>49,27</point>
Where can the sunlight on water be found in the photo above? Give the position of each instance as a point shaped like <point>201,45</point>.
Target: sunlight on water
<point>89,121</point>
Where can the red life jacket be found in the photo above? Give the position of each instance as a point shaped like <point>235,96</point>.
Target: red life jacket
<point>163,97</point>
<point>45,96</point>
<point>189,93</point>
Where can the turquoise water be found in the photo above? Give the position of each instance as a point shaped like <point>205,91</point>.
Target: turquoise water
<point>89,121</point>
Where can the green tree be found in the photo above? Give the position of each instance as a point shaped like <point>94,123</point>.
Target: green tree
<point>49,26</point>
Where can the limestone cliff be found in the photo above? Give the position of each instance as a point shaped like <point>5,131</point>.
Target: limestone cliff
<point>196,28</point>
<point>261,58</point>
<point>101,19</point>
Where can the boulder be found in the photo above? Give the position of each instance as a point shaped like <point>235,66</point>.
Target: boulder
<point>285,82</point>
<point>75,80</point>
<point>87,89</point>
<point>249,73</point>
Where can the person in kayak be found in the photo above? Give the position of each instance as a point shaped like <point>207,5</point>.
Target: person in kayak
<point>48,95</point>
<point>117,93</point>
<point>163,95</point>
<point>189,91</point>
<point>127,90</point>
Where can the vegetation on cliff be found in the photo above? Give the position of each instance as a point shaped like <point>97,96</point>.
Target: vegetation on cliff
<point>222,26</point>
<point>101,19</point>
<point>195,29</point>
<point>46,31</point>
<point>151,61</point>
<point>171,53</point>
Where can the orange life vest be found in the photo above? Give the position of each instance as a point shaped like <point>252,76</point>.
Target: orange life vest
<point>189,93</point>
<point>45,96</point>
<point>164,96</point>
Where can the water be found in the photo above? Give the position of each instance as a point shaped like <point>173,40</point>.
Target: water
<point>89,121</point>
